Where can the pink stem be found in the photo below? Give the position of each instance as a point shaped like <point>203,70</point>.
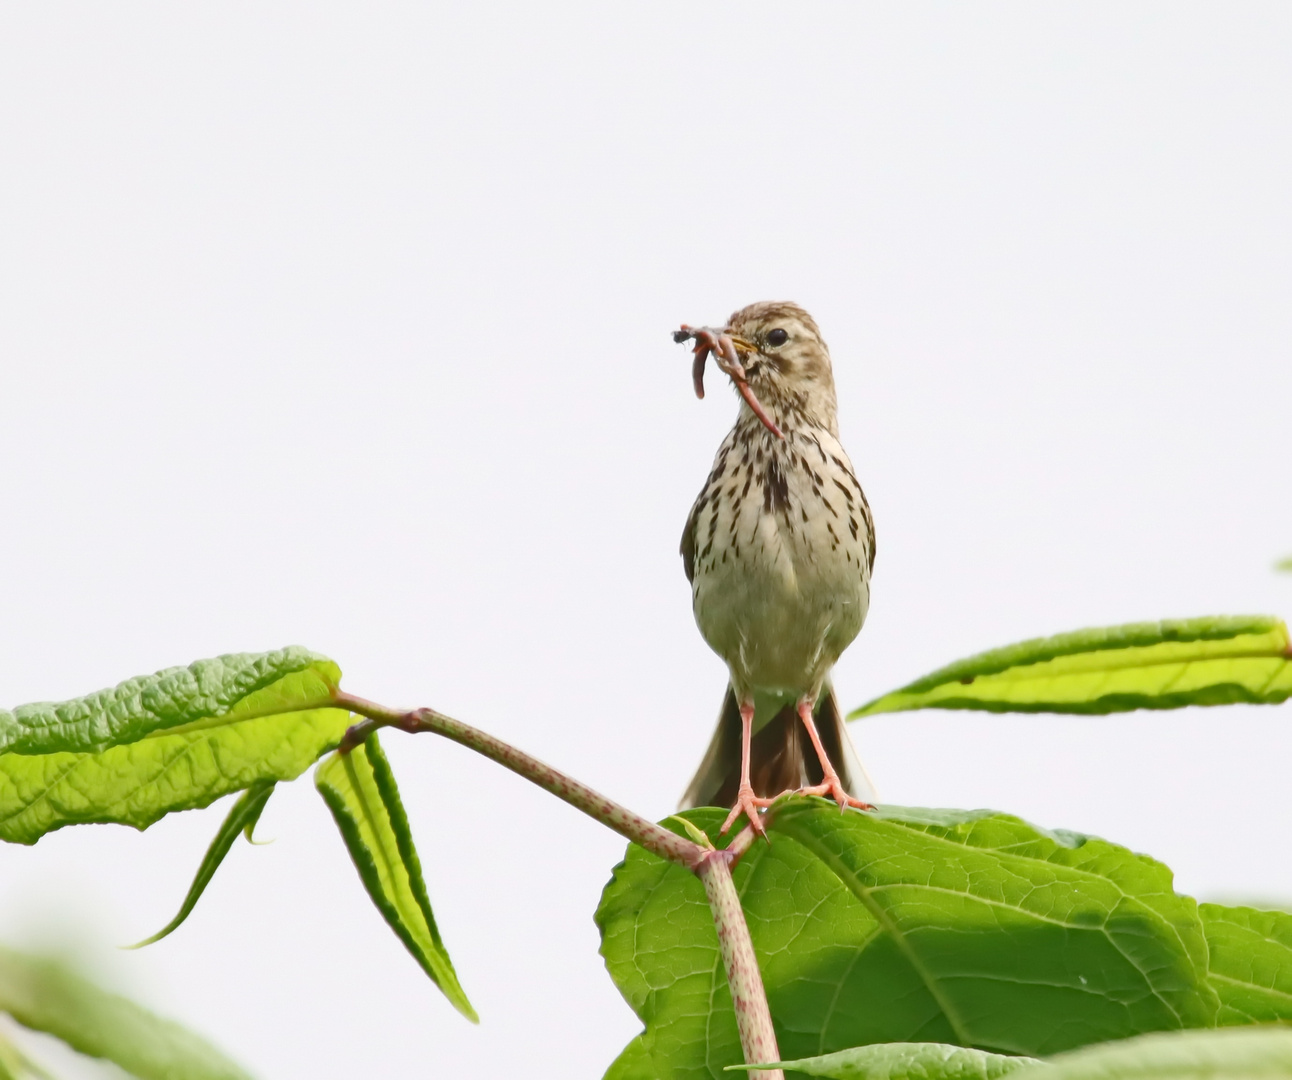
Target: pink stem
<point>748,998</point>
<point>753,1017</point>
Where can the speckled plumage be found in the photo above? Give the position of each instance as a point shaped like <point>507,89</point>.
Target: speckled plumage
<point>780,543</point>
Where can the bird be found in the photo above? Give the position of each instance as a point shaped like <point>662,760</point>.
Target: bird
<point>779,547</point>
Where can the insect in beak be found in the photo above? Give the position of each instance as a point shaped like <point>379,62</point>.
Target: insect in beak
<point>726,350</point>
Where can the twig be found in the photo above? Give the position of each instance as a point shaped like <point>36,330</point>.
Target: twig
<point>712,867</point>
<point>748,998</point>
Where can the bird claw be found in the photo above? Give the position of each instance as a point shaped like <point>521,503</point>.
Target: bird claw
<point>831,788</point>
<point>749,804</point>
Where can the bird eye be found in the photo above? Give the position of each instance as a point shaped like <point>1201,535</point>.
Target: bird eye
<point>777,338</point>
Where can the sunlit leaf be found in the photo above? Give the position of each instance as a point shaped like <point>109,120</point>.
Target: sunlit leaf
<point>903,1061</point>
<point>360,790</point>
<point>242,818</point>
<point>1229,1054</point>
<point>238,686</point>
<point>1162,665</point>
<point>199,733</point>
<point>907,925</point>
<point>46,996</point>
<point>140,782</point>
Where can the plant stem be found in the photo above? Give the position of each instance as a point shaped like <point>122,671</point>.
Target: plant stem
<point>654,838</point>
<point>748,998</point>
<point>712,867</point>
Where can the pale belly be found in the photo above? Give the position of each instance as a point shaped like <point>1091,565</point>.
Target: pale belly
<point>781,584</point>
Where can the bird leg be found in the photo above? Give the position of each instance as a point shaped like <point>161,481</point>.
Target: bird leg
<point>720,345</point>
<point>830,785</point>
<point>747,802</point>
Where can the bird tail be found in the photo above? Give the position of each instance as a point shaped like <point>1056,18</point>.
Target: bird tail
<point>781,755</point>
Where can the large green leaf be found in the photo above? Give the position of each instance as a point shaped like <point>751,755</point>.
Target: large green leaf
<point>907,925</point>
<point>1161,665</point>
<point>1231,1054</point>
<point>46,996</point>
<point>904,1061</point>
<point>360,790</point>
<point>1251,963</point>
<point>238,686</point>
<point>194,734</point>
<point>242,817</point>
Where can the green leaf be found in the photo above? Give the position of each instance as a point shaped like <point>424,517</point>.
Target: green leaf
<point>1251,963</point>
<point>229,688</point>
<point>242,818</point>
<point>1161,665</point>
<point>46,996</point>
<point>1284,564</point>
<point>903,1061</point>
<point>15,1065</point>
<point>141,782</point>
<point>198,733</point>
<point>360,790</point>
<point>907,925</point>
<point>1229,1054</point>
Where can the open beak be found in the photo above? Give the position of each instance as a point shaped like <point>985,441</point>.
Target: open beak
<point>725,349</point>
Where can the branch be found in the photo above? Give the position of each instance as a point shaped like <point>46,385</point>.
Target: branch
<point>654,838</point>
<point>748,998</point>
<point>712,867</point>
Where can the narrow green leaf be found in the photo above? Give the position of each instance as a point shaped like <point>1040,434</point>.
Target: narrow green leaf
<point>1250,1053</point>
<point>360,790</point>
<point>1162,665</point>
<point>239,686</point>
<point>46,996</point>
<point>242,817</point>
<point>974,929</point>
<point>903,1061</point>
<point>1251,963</point>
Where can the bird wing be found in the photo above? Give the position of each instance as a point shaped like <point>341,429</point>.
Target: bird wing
<point>688,543</point>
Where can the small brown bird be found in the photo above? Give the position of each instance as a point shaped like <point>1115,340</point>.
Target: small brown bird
<point>778,549</point>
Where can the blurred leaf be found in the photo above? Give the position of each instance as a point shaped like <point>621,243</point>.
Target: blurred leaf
<point>904,1061</point>
<point>907,925</point>
<point>1229,1054</point>
<point>1251,963</point>
<point>218,726</point>
<point>360,790</point>
<point>229,688</point>
<point>15,1065</point>
<point>45,996</point>
<point>242,817</point>
<point>1162,665</point>
<point>1284,564</point>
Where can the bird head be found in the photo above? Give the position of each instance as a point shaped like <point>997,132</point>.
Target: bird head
<point>786,362</point>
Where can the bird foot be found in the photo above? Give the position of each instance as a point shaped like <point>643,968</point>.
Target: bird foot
<point>831,788</point>
<point>749,804</point>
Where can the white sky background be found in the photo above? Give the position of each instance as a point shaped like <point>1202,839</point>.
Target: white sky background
<point>347,326</point>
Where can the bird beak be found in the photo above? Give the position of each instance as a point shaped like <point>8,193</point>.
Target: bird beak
<point>725,350</point>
